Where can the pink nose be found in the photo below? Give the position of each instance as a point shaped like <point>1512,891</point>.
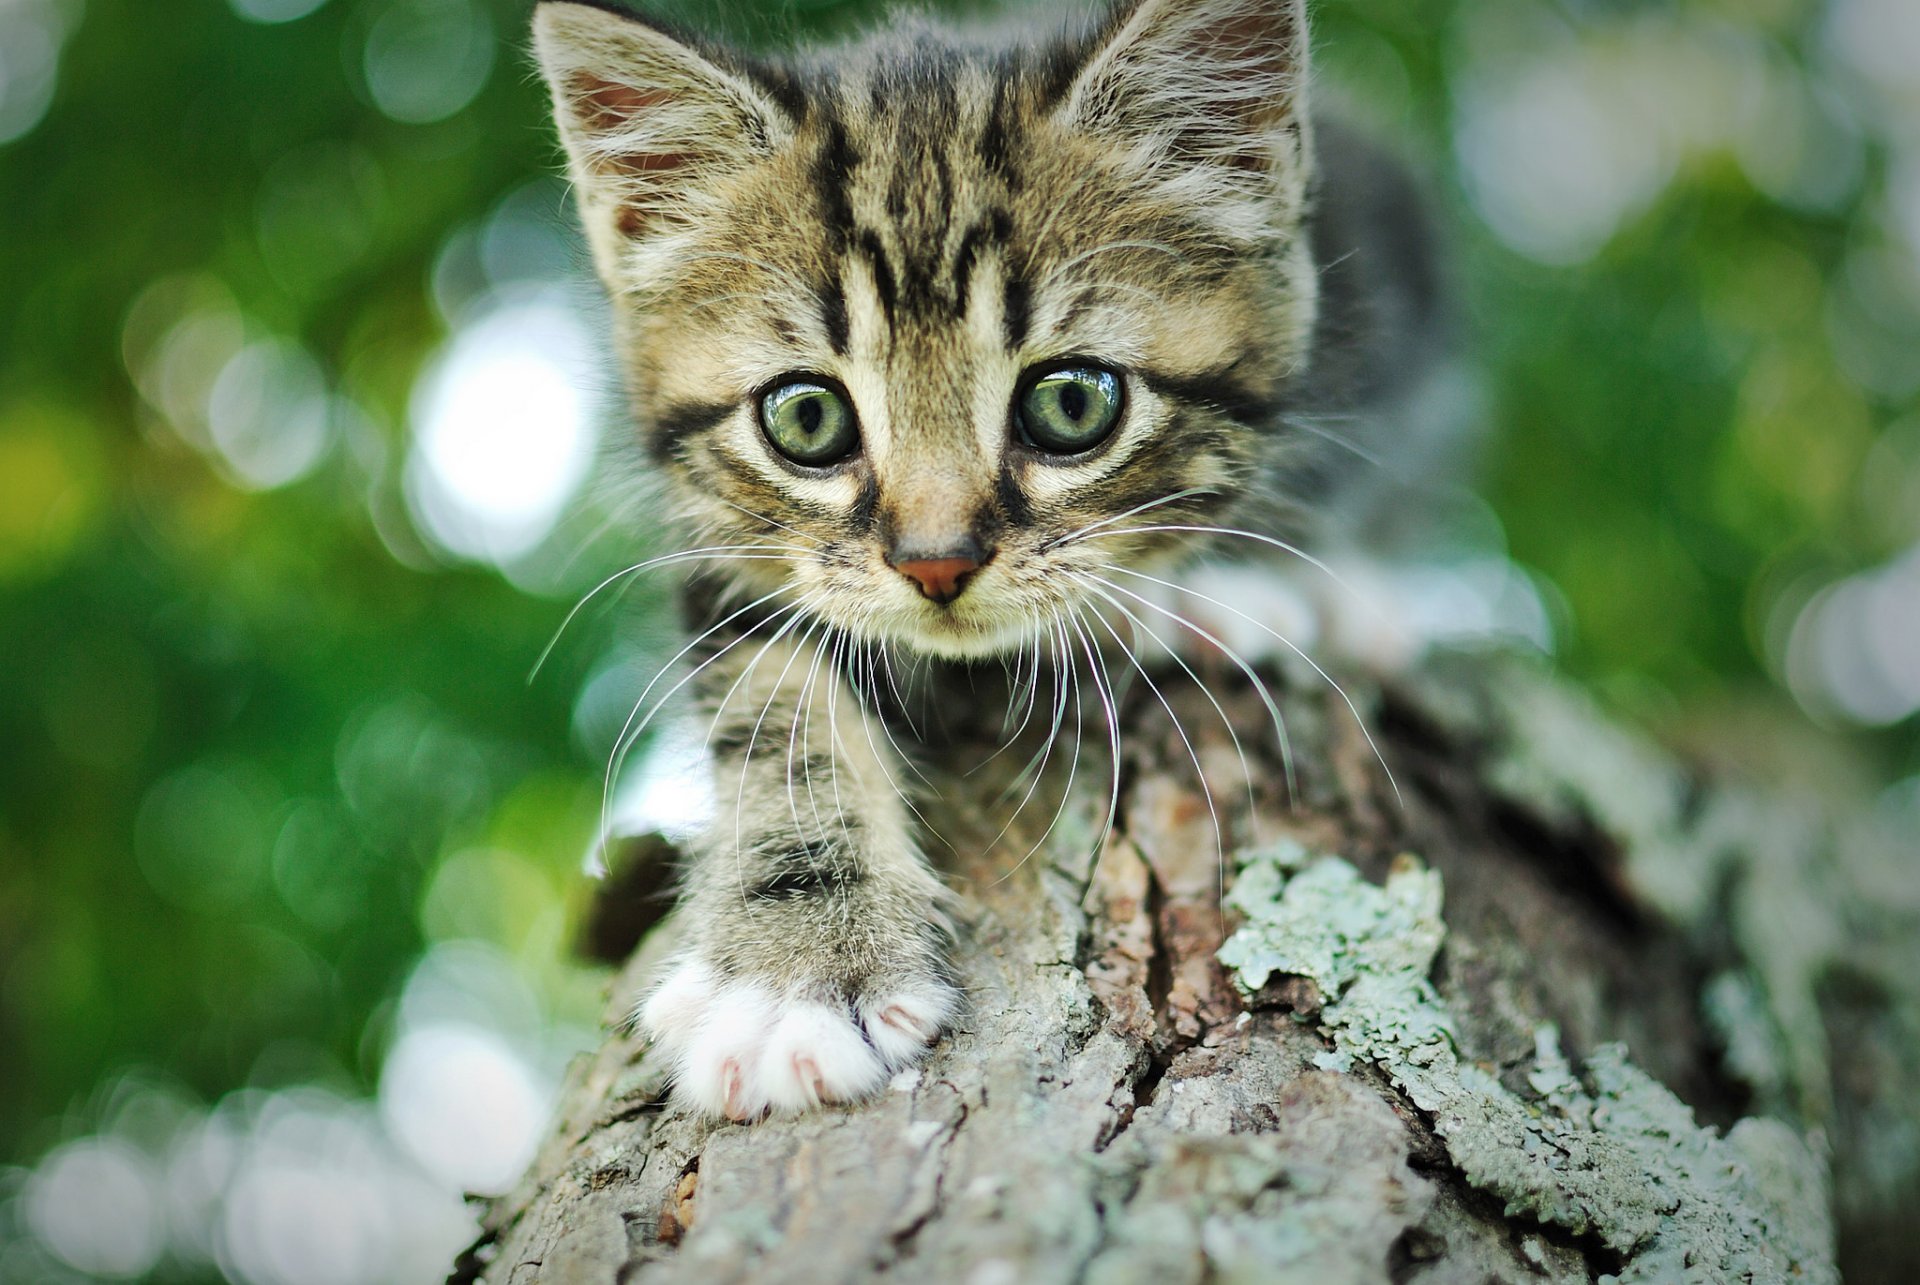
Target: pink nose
<point>940,579</point>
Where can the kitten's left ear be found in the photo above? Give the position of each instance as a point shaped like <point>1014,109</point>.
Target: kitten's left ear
<point>1205,82</point>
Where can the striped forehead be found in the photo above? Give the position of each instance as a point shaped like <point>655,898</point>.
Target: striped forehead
<point>923,292</point>
<point>916,196</point>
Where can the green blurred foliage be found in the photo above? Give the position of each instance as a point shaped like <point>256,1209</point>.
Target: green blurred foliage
<point>260,748</point>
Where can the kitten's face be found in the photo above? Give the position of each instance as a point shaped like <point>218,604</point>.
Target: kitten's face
<point>926,330</point>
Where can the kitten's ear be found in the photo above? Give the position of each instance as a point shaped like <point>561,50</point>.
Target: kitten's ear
<point>647,120</point>
<point>1219,82</point>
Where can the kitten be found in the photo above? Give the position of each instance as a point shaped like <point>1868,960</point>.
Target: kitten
<point>951,345</point>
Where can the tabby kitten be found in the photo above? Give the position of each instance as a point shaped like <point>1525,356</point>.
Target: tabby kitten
<point>938,338</point>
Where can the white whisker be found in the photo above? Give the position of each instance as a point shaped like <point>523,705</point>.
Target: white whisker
<point>1073,761</point>
<point>1103,688</point>
<point>797,534</point>
<point>1273,541</point>
<point>763,552</point>
<point>1173,652</point>
<point>1290,646</point>
<point>1135,511</point>
<point>746,756</point>
<point>630,734</point>
<point>1200,772</point>
<point>1259,685</point>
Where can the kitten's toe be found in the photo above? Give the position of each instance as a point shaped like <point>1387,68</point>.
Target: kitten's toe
<point>720,1070</point>
<point>816,1055</point>
<point>740,1050</point>
<point>902,1023</point>
<point>672,1013</point>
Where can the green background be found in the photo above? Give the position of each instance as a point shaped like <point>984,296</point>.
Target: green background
<point>263,746</point>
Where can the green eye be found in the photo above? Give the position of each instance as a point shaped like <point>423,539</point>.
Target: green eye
<point>1069,409</point>
<point>809,423</point>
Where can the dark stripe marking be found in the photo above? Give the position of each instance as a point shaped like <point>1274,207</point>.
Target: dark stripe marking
<point>995,228</point>
<point>1215,388</point>
<point>675,423</point>
<point>1017,310</point>
<point>833,317</point>
<point>832,178</point>
<point>778,84</point>
<point>806,871</point>
<point>1014,507</point>
<point>883,280</point>
<point>963,267</point>
<point>860,517</point>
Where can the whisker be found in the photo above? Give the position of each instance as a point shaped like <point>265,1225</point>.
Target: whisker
<point>1137,509</point>
<point>893,684</point>
<point>746,757</point>
<point>1103,687</point>
<point>1012,670</point>
<point>587,542</point>
<point>1036,762</point>
<point>630,734</point>
<point>875,715</point>
<point>1259,684</point>
<point>834,744</point>
<point>1072,672</point>
<point>1275,542</point>
<point>663,560</point>
<point>1290,646</point>
<point>803,731</point>
<point>1107,248</point>
<point>1206,791</point>
<point>815,541</point>
<point>1010,738</point>
<point>1246,771</point>
<point>1306,425</point>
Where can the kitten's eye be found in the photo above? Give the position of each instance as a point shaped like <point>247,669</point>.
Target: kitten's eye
<point>809,423</point>
<point>1069,409</point>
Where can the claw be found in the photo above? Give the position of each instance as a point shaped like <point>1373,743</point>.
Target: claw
<point>736,1092</point>
<point>807,1071</point>
<point>901,1020</point>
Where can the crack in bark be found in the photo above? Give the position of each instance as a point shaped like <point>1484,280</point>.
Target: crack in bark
<point>903,1241</point>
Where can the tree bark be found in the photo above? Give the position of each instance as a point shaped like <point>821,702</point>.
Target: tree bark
<point>1543,1006</point>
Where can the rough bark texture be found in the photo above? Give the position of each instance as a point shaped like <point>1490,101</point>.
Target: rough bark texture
<point>1560,1011</point>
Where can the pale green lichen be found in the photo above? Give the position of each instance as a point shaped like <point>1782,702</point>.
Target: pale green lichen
<point>1616,1157</point>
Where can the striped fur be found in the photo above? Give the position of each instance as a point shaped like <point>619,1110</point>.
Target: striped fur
<point>922,218</point>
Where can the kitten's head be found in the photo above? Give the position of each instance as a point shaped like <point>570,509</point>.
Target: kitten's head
<point>933,321</point>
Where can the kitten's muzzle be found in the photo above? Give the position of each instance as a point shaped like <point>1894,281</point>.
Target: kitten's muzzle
<point>941,577</point>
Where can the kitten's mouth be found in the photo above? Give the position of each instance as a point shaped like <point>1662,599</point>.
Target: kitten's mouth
<point>958,630</point>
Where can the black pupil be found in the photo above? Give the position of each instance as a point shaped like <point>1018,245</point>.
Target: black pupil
<point>810,413</point>
<point>1073,400</point>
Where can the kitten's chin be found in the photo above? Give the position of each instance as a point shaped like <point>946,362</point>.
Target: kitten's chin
<point>950,636</point>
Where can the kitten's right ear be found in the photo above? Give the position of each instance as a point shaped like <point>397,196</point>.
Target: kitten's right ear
<point>1216,86</point>
<point>648,122</point>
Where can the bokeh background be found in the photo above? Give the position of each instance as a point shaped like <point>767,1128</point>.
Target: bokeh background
<point>303,409</point>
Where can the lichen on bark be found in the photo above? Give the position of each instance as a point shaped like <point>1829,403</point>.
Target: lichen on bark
<point>1614,1155</point>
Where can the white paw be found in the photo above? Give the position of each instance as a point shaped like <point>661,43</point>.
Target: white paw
<point>740,1049</point>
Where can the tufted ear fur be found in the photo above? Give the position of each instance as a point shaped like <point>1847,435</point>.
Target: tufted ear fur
<point>650,124</point>
<point>1203,92</point>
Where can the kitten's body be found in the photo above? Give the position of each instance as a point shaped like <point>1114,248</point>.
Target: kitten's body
<point>1053,306</point>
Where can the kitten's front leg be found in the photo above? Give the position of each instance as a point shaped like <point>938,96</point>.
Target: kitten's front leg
<point>815,960</point>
